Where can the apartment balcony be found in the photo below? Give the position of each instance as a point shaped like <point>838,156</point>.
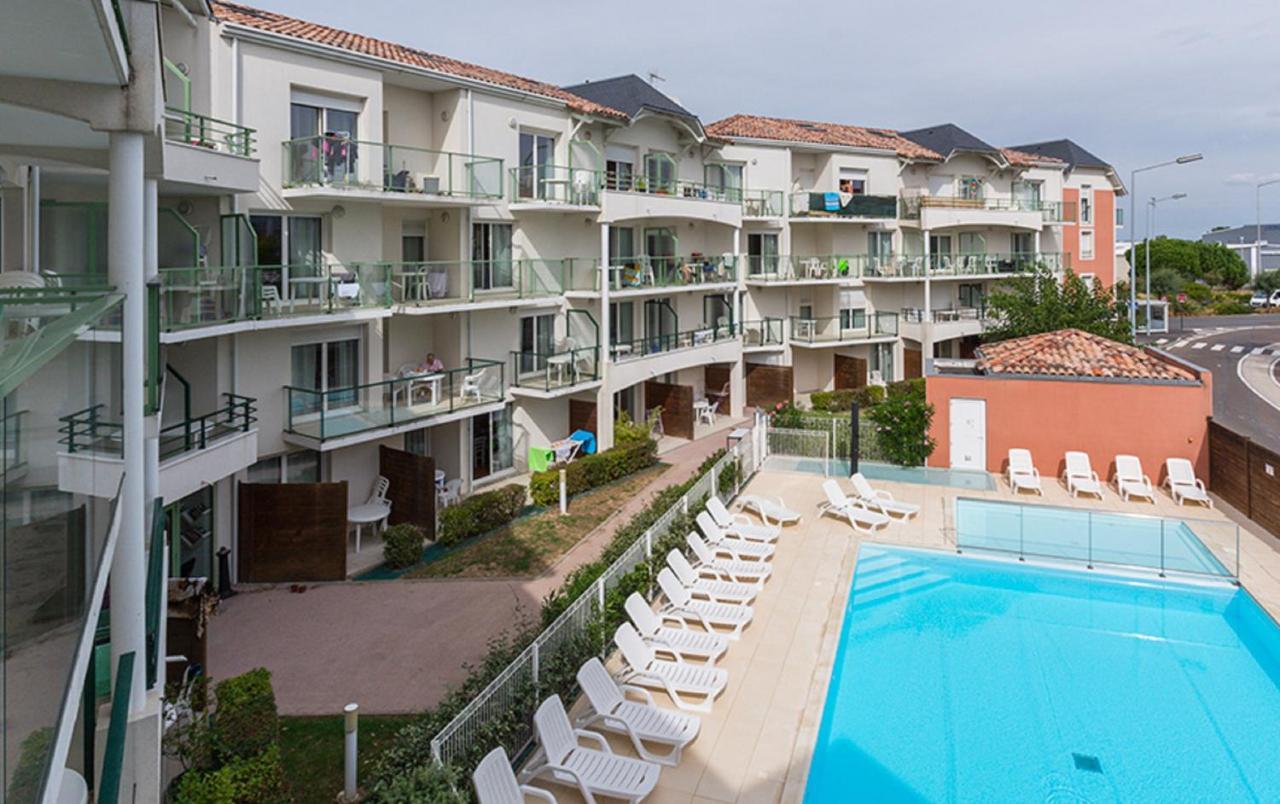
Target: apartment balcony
<point>333,168</point>
<point>855,328</point>
<point>646,358</point>
<point>642,275</point>
<point>448,286</point>
<point>553,188</point>
<point>194,451</point>
<point>825,269</point>
<point>948,323</point>
<point>989,265</point>
<point>763,335</point>
<point>763,205</point>
<point>546,375</point>
<point>830,207</point>
<point>940,212</point>
<point>629,197</point>
<point>203,154</point>
<point>340,417</point>
<point>203,301</point>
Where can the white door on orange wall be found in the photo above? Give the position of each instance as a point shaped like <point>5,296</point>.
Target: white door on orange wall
<point>968,434</point>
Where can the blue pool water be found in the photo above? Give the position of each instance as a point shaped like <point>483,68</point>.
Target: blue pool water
<point>1083,535</point>
<point>972,679</point>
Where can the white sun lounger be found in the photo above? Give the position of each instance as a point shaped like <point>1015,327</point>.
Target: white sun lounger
<point>740,525</point>
<point>1022,473</point>
<point>771,510</point>
<point>880,500</point>
<point>683,643</point>
<point>679,680</point>
<point>1130,481</point>
<point>1080,477</point>
<point>496,783</point>
<point>595,772</point>
<point>860,518</point>
<point>738,549</point>
<point>708,615</point>
<point>706,562</point>
<point>1183,485</point>
<point>718,591</point>
<point>641,722</point>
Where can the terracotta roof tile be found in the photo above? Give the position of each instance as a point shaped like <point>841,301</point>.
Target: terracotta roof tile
<point>777,128</point>
<point>1074,353</point>
<point>272,22</point>
<point>1024,159</point>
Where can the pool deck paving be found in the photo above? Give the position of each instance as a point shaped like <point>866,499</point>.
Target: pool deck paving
<point>756,744</point>
<point>396,647</point>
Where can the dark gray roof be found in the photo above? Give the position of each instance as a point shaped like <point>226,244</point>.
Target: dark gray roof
<point>1244,234</point>
<point>1066,150</point>
<point>629,94</point>
<point>947,138</point>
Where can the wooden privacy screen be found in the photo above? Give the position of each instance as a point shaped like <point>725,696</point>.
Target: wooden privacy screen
<point>292,532</point>
<point>850,372</point>
<point>677,406</point>
<point>582,416</point>
<point>413,487</point>
<point>1245,475</point>
<point>768,385</point>
<point>912,364</point>
<point>716,379</point>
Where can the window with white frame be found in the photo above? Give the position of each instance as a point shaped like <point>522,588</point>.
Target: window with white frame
<point>853,181</point>
<point>331,369</point>
<point>724,179</point>
<point>1089,280</point>
<point>1086,203</point>
<point>1086,244</point>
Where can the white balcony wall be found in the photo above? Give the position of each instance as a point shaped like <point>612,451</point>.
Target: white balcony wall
<point>881,171</point>
<point>764,168</point>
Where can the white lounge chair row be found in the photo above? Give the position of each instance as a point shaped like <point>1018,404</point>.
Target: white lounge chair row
<point>869,509</point>
<point>1129,481</point>
<point>706,604</point>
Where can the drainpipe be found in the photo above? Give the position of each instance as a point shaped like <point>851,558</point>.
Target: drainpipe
<point>926,323</point>
<point>236,112</point>
<point>604,397</point>
<point>151,272</point>
<point>33,218</point>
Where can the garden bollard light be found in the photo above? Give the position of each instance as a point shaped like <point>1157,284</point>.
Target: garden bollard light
<point>564,496</point>
<point>349,778</point>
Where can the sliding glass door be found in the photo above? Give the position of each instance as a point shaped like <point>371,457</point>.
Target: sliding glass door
<point>491,266</point>
<point>537,152</point>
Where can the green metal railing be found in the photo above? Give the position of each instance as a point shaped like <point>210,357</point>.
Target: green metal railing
<point>548,371</point>
<point>656,344</point>
<point>769,268</point>
<point>88,431</point>
<point>1051,211</point>
<point>811,204</point>
<point>117,733</point>
<point>762,332</point>
<point>332,161</point>
<point>981,264</point>
<point>679,188</point>
<point>338,412</point>
<point>633,273</point>
<point>856,325</point>
<point>917,315</point>
<point>554,184</point>
<point>441,281</point>
<point>157,595</point>
<point>763,204</point>
<point>193,128</point>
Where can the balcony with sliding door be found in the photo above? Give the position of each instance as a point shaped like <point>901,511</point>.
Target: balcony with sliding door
<point>850,327</point>
<point>331,418</point>
<point>558,355</point>
<point>776,270</point>
<point>955,320</point>
<point>653,189</point>
<point>666,346</point>
<point>554,188</point>
<point>647,275</point>
<point>420,288</point>
<point>335,168</point>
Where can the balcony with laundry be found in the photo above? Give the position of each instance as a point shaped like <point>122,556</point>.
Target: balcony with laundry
<point>841,206</point>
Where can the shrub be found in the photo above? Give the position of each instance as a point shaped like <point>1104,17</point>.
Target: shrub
<point>245,722</point>
<point>868,395</point>
<point>593,471</point>
<point>906,388</point>
<point>627,432</point>
<point>1231,307</point>
<point>902,424</point>
<point>1198,292</point>
<point>431,782</point>
<point>1268,281</point>
<point>29,773</point>
<point>245,781</point>
<point>402,545</point>
<point>787,416</point>
<point>841,401</point>
<point>481,513</point>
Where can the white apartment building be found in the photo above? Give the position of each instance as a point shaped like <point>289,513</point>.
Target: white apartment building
<point>280,250</point>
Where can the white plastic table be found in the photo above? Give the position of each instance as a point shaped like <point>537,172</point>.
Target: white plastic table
<point>367,514</point>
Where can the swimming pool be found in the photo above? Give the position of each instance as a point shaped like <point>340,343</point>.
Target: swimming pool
<point>1094,537</point>
<point>973,679</point>
<point>926,475</point>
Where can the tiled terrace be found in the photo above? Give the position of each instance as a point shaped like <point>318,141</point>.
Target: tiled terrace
<point>755,745</point>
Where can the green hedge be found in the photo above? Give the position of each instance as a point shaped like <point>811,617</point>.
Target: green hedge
<point>246,723</point>
<point>480,513</point>
<point>592,471</point>
<point>244,781</point>
<point>841,401</point>
<point>402,545</point>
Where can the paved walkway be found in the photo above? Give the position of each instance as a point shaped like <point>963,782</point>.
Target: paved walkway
<point>396,646</point>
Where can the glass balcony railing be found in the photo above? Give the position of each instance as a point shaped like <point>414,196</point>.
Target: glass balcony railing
<point>854,326</point>
<point>678,188</point>
<point>204,296</point>
<point>459,281</point>
<point>949,315</point>
<point>669,342</point>
<point>549,371</point>
<point>554,184</point>
<point>191,128</point>
<point>789,268</point>
<point>812,204</point>
<point>350,410</point>
<point>635,273</point>
<point>331,161</point>
<point>763,204</point>
<point>901,266</point>
<point>763,332</point>
<point>1051,211</point>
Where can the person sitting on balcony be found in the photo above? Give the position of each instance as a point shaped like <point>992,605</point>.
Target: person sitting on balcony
<point>431,365</point>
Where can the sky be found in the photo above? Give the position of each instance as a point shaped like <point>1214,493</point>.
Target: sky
<point>1135,82</point>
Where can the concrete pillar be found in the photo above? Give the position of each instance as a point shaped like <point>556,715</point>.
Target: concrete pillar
<point>739,273</point>
<point>33,218</point>
<point>926,324</point>
<point>151,271</point>
<point>125,256</point>
<point>604,396</point>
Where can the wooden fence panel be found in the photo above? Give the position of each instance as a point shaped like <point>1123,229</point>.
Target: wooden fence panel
<point>1264,487</point>
<point>768,385</point>
<point>292,532</point>
<point>677,406</point>
<point>850,372</point>
<point>413,487</point>
<point>582,416</point>
<point>1229,466</point>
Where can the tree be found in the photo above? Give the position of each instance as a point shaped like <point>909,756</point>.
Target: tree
<point>1220,266</point>
<point>902,425</point>
<point>1193,260</point>
<point>1038,302</point>
<point>1268,281</point>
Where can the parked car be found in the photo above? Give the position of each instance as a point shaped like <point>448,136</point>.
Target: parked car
<point>1262,299</point>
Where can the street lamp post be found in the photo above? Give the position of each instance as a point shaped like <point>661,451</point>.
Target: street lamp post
<point>1146,260</point>
<point>1257,238</point>
<point>1133,194</point>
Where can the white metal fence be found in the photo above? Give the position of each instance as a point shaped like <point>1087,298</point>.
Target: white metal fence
<point>519,684</point>
<point>839,436</point>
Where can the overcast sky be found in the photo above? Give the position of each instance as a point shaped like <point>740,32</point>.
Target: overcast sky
<point>1134,82</point>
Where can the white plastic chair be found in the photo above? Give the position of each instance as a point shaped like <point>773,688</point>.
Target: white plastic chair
<point>451,493</point>
<point>861,518</point>
<point>691,687</point>
<point>708,563</point>
<point>712,589</point>
<point>682,643</point>
<point>739,525</point>
<point>707,614</point>
<point>1130,480</point>
<point>1183,485</point>
<point>737,549</point>
<point>496,783</point>
<point>641,722</point>
<point>470,387</point>
<point>1079,475</point>
<point>881,500</point>
<point>771,510</point>
<point>594,771</point>
<point>1022,473</point>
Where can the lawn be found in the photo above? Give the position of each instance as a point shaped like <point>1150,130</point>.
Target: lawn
<point>533,544</point>
<point>311,750</point>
